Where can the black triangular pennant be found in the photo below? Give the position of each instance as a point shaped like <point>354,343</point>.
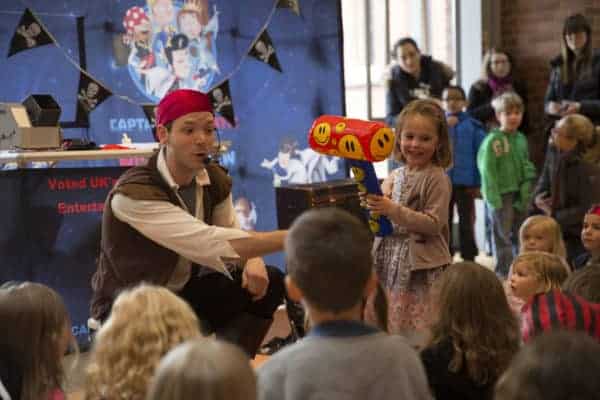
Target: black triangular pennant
<point>30,33</point>
<point>150,113</point>
<point>90,94</point>
<point>294,5</point>
<point>263,50</point>
<point>220,97</point>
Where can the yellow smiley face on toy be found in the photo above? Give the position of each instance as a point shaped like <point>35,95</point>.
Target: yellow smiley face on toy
<point>359,174</point>
<point>374,226</point>
<point>382,144</point>
<point>322,133</point>
<point>350,147</point>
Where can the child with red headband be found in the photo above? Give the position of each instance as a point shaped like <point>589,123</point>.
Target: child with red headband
<point>590,237</point>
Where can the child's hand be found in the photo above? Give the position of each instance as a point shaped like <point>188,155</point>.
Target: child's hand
<point>544,203</point>
<point>381,205</point>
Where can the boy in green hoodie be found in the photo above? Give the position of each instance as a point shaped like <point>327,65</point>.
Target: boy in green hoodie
<point>506,176</point>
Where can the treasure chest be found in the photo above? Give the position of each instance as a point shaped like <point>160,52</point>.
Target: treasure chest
<point>293,200</point>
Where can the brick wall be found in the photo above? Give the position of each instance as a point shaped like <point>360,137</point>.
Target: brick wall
<point>530,30</point>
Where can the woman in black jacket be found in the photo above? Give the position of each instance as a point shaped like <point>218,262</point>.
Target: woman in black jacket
<point>574,85</point>
<point>416,76</point>
<point>496,78</point>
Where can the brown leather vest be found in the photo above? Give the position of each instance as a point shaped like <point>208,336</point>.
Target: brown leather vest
<point>126,256</point>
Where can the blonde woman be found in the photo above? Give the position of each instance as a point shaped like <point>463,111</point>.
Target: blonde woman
<point>145,323</point>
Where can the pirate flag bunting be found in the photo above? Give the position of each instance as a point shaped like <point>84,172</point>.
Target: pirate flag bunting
<point>90,95</point>
<point>263,50</point>
<point>294,5</point>
<point>30,33</point>
<point>220,97</point>
<point>150,113</point>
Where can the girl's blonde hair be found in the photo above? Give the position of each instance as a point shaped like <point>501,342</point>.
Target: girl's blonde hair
<point>483,342</point>
<point>550,227</point>
<point>205,369</point>
<point>144,324</point>
<point>551,269</point>
<point>33,318</point>
<point>430,110</point>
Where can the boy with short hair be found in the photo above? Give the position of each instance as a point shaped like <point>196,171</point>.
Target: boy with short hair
<point>466,134</point>
<point>506,175</point>
<point>330,271</point>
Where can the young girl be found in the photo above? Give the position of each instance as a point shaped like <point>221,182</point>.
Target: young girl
<point>568,184</point>
<point>36,332</point>
<point>537,272</point>
<point>204,369</point>
<point>469,349</point>
<point>416,198</point>
<point>590,237</point>
<point>542,233</point>
<point>145,323</point>
<point>537,233</point>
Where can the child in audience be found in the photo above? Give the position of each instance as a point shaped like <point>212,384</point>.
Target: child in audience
<point>590,237</point>
<point>204,369</point>
<point>36,332</point>
<point>416,198</point>
<point>330,270</point>
<point>537,233</point>
<point>542,233</point>
<point>144,324</point>
<point>556,310</point>
<point>569,184</point>
<point>506,175</point>
<point>466,135</point>
<point>556,366</point>
<point>585,283</point>
<point>537,272</point>
<point>469,349</point>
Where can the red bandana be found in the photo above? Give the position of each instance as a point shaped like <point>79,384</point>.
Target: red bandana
<point>594,210</point>
<point>181,102</point>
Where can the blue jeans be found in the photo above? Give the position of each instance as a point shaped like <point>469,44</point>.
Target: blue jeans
<point>506,222</point>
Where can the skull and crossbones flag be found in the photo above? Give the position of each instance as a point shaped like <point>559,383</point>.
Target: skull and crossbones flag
<point>90,94</point>
<point>262,49</point>
<point>294,5</point>
<point>220,96</point>
<point>30,33</point>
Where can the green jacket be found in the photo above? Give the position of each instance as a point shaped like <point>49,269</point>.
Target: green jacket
<point>503,162</point>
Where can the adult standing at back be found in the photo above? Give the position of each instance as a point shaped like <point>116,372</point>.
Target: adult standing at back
<point>574,85</point>
<point>497,77</point>
<point>416,76</point>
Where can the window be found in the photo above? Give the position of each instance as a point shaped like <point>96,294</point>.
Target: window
<point>371,27</point>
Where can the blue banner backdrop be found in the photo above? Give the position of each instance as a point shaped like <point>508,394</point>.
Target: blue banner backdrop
<point>273,111</point>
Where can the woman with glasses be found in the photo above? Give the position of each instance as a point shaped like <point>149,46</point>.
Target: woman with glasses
<point>497,77</point>
<point>574,85</point>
